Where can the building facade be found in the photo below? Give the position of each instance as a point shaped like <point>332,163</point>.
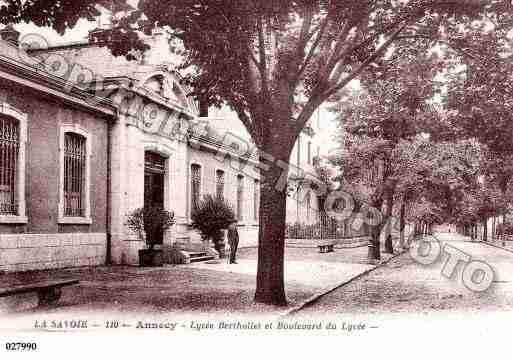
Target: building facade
<point>88,137</point>
<point>53,165</point>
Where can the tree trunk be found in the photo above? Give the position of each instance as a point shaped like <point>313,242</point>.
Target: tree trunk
<point>402,224</point>
<point>494,237</point>
<point>485,230</point>
<point>389,205</point>
<point>503,228</point>
<point>374,252</point>
<point>270,286</point>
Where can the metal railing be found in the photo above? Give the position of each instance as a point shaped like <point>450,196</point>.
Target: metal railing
<point>325,227</point>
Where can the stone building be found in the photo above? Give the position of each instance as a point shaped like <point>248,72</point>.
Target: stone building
<point>53,166</point>
<point>143,143</point>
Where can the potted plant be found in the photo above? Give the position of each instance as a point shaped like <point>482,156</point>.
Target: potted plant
<point>210,216</point>
<point>150,223</point>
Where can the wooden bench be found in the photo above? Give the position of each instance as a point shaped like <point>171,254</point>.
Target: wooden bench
<point>326,247</point>
<point>48,292</point>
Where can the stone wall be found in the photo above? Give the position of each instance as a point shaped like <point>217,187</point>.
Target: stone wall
<point>42,180</point>
<point>24,252</point>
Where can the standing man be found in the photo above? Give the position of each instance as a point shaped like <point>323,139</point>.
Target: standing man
<point>233,241</point>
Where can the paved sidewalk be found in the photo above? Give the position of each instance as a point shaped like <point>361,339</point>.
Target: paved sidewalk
<point>317,275</point>
<point>404,286</point>
<point>198,288</point>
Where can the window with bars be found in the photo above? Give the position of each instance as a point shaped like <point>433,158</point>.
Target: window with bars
<point>240,197</point>
<point>220,183</point>
<point>195,184</point>
<point>74,174</point>
<point>256,199</point>
<point>9,148</point>
<point>308,206</point>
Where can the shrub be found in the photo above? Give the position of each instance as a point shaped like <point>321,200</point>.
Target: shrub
<point>211,215</point>
<point>150,220</point>
<point>508,228</point>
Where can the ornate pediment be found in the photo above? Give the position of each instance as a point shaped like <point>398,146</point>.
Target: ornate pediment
<point>166,85</point>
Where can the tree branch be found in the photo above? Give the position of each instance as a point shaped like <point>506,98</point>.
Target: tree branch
<point>311,51</point>
<point>244,118</point>
<point>325,73</point>
<point>364,64</point>
<point>305,29</point>
<point>261,48</point>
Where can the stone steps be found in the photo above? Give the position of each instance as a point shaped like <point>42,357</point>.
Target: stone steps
<point>202,258</point>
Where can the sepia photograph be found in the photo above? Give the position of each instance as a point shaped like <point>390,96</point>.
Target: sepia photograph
<point>304,178</point>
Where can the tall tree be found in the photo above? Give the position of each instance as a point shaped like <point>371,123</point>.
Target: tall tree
<point>480,98</point>
<point>273,62</point>
<point>390,108</point>
<point>416,162</point>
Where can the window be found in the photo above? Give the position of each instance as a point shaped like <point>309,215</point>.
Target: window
<point>74,174</point>
<point>195,184</point>
<point>256,199</point>
<point>308,206</point>
<point>9,149</point>
<point>74,197</point>
<point>220,183</point>
<point>13,137</point>
<point>240,197</point>
<point>309,153</point>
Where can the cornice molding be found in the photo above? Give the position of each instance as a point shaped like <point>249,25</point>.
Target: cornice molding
<point>41,81</point>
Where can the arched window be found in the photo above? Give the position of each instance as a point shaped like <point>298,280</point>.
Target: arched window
<point>220,183</point>
<point>240,197</point>
<point>195,184</point>
<point>9,162</point>
<point>308,206</point>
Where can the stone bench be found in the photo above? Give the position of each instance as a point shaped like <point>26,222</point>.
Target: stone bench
<point>48,292</point>
<point>326,247</point>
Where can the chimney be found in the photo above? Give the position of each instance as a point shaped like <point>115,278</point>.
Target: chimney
<point>10,34</point>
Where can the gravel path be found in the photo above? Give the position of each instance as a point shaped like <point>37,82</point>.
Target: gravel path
<point>187,288</point>
<point>403,285</point>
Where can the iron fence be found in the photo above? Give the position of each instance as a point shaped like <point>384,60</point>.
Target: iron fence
<point>326,227</point>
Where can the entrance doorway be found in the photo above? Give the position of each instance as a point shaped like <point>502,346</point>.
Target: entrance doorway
<point>154,174</point>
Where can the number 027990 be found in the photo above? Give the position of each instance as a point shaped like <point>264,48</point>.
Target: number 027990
<point>20,346</point>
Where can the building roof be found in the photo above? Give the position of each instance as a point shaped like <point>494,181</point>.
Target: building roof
<point>98,64</point>
<point>19,67</point>
<point>96,58</point>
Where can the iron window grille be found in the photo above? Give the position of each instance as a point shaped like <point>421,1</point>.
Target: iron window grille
<point>195,184</point>
<point>220,183</point>
<point>9,149</point>
<point>74,174</point>
<point>308,206</point>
